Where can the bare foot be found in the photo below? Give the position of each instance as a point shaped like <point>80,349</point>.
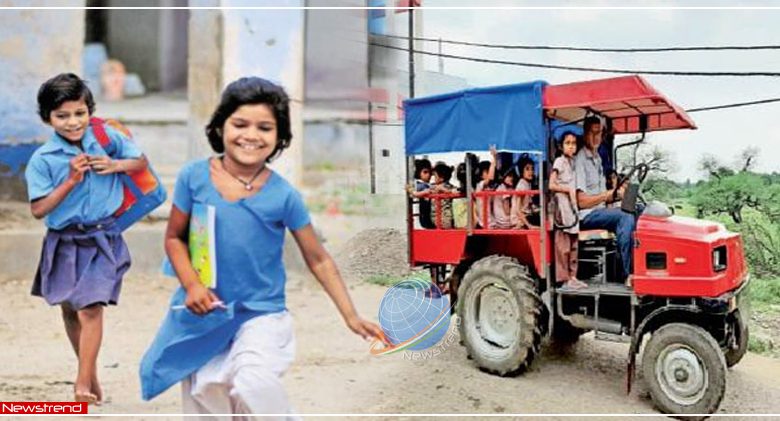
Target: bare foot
<point>84,396</point>
<point>97,391</point>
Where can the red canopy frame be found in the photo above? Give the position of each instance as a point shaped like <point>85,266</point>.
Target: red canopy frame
<point>622,99</point>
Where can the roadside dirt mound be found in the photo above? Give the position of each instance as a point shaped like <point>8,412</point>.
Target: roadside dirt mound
<point>374,252</point>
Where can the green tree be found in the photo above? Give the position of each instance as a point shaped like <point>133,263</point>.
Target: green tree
<point>751,200</point>
<point>660,164</point>
<point>730,194</point>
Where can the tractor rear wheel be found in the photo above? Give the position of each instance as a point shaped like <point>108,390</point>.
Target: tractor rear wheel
<point>500,309</point>
<point>685,370</point>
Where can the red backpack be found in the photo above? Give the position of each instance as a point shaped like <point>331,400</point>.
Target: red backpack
<point>143,191</point>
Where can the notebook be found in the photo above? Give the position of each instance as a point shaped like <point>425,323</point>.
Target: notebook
<point>202,245</point>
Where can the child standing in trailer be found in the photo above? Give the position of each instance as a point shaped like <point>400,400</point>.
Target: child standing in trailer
<point>230,344</point>
<point>74,184</point>
<point>563,184</point>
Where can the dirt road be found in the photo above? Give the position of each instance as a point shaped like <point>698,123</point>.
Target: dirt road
<point>334,372</point>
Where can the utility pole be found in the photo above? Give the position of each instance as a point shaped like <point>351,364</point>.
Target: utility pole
<point>410,158</point>
<point>411,50</point>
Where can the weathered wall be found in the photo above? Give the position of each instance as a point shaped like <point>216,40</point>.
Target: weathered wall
<point>152,43</point>
<point>265,43</point>
<point>34,46</point>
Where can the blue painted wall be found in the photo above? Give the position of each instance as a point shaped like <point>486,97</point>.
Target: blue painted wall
<point>34,46</point>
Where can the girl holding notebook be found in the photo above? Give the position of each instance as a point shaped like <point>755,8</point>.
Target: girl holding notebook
<point>231,344</point>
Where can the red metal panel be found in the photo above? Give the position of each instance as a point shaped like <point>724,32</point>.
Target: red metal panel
<point>682,287</point>
<point>572,100</point>
<point>438,246</point>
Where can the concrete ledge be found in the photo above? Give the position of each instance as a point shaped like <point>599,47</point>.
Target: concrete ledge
<point>20,251</point>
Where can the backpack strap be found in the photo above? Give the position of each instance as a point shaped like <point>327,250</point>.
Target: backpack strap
<point>99,130</point>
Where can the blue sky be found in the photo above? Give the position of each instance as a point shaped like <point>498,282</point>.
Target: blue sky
<point>721,133</point>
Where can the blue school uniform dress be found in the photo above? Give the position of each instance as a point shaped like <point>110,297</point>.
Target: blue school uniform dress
<point>84,256</point>
<point>250,274</point>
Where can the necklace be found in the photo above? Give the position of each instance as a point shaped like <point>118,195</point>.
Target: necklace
<point>247,184</point>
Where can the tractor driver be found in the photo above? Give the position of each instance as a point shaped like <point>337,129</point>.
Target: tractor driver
<point>593,196</point>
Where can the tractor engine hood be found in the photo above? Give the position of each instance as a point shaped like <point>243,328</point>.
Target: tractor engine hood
<point>679,256</point>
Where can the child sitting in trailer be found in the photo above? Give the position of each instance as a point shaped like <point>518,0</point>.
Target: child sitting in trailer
<point>442,173</point>
<point>460,205</point>
<point>502,204</point>
<point>422,180</point>
<point>525,214</point>
<point>487,171</point>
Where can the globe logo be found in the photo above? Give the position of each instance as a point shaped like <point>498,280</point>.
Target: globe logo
<point>414,315</point>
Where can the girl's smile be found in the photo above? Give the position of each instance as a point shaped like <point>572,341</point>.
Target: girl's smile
<point>250,134</point>
<point>70,120</point>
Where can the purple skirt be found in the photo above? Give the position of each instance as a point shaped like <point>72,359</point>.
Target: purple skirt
<point>82,265</point>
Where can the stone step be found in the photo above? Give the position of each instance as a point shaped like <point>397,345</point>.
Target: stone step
<point>156,109</point>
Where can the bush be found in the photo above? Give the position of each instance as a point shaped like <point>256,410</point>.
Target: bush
<point>764,294</point>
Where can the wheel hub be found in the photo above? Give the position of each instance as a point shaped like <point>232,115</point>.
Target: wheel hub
<point>497,315</point>
<point>681,374</point>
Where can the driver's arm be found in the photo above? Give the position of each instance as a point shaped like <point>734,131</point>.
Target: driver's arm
<point>587,201</point>
<point>584,200</point>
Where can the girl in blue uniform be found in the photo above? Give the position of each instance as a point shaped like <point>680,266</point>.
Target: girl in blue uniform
<point>75,186</point>
<point>231,344</point>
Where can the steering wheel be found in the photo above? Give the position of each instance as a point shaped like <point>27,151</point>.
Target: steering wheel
<point>633,191</point>
<point>641,173</point>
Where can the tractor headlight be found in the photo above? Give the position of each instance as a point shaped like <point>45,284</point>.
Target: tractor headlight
<point>719,259</point>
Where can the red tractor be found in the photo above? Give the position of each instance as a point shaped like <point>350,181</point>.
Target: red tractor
<point>685,307</point>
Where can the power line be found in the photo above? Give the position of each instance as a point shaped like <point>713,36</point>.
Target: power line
<point>594,49</point>
<point>734,105</point>
<point>584,69</point>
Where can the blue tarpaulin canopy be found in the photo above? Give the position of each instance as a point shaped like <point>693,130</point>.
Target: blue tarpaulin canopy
<point>509,117</point>
<point>560,127</point>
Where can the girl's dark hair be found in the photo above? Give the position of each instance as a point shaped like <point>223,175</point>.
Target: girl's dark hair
<point>419,165</point>
<point>566,133</point>
<point>559,143</point>
<point>250,91</point>
<point>460,174</point>
<point>443,170</point>
<point>484,166</point>
<point>525,160</point>
<point>510,171</point>
<point>60,89</point>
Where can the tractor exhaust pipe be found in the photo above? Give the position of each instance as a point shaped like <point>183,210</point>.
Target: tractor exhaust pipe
<point>602,325</point>
<point>587,322</point>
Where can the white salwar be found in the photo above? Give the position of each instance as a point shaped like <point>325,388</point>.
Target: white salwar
<point>246,378</point>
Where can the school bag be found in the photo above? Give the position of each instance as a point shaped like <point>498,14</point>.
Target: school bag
<point>142,190</point>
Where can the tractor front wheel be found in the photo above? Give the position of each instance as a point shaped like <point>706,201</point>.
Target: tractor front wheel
<point>685,370</point>
<point>734,354</point>
<point>500,309</point>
